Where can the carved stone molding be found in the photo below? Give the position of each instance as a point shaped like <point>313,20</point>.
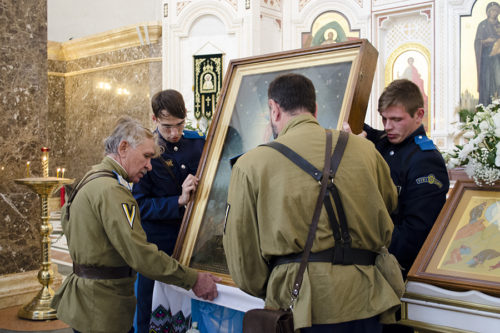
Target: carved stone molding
<point>116,39</point>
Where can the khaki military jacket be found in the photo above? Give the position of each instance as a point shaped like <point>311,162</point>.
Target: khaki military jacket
<point>104,229</point>
<point>271,203</point>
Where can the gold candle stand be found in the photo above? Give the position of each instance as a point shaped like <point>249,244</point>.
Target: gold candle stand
<point>39,307</point>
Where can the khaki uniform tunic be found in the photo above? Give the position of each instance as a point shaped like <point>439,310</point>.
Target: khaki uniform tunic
<point>104,229</point>
<point>271,203</point>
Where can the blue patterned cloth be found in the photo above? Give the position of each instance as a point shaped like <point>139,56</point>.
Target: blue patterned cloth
<point>163,321</point>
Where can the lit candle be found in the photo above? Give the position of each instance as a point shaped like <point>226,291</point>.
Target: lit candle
<point>58,170</point>
<point>28,169</point>
<point>45,161</point>
<point>62,176</point>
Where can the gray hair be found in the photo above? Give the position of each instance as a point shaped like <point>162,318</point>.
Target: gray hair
<point>130,130</point>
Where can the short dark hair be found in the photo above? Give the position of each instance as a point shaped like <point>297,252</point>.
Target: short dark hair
<point>293,91</point>
<point>170,101</point>
<point>492,4</point>
<point>401,92</point>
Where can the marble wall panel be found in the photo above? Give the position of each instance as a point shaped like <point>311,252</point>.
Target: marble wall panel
<point>20,232</point>
<point>96,99</point>
<point>155,80</point>
<point>56,115</point>
<point>56,66</point>
<point>23,123</point>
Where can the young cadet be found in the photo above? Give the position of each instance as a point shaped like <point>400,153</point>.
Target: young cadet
<point>417,169</point>
<point>164,191</point>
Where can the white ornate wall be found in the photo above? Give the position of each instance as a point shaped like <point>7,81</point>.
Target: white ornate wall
<point>271,27</point>
<point>241,28</point>
<point>198,27</point>
<point>447,55</point>
<point>395,28</point>
<point>234,28</point>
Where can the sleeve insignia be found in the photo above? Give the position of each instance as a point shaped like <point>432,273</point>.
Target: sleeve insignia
<point>430,179</point>
<point>228,206</point>
<point>129,213</point>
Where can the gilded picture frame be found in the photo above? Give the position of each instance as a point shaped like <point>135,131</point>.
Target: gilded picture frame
<point>462,251</point>
<point>342,74</point>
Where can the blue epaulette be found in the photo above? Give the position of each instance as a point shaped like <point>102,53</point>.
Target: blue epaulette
<point>193,134</point>
<point>424,143</point>
<point>122,181</point>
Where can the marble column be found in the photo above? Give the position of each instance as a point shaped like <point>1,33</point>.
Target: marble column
<point>23,123</point>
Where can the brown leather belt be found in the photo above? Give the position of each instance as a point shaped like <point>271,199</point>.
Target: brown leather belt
<point>102,272</point>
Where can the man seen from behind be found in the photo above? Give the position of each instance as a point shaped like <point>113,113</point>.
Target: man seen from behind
<point>270,206</point>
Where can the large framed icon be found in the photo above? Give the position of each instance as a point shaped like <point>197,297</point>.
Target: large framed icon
<point>342,74</point>
<point>462,251</point>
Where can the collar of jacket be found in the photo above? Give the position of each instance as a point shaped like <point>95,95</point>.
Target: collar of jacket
<point>299,120</point>
<point>164,143</point>
<point>419,131</point>
<point>110,163</point>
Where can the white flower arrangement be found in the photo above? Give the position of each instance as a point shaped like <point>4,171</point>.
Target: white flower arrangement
<point>480,155</point>
<point>201,126</point>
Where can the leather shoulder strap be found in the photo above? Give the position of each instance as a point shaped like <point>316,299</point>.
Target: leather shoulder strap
<point>330,168</point>
<point>336,157</point>
<point>296,158</point>
<point>308,167</point>
<point>90,176</point>
<point>338,152</point>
